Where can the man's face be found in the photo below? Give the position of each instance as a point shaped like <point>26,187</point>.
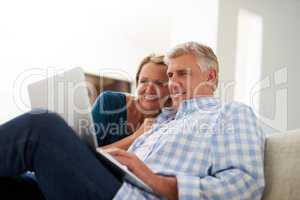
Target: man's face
<point>186,79</point>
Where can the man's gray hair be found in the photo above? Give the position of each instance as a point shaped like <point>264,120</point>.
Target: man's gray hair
<point>205,56</point>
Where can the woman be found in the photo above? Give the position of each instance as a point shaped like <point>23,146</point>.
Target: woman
<point>120,118</point>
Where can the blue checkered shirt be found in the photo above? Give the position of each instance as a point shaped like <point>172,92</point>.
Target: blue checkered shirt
<point>215,151</point>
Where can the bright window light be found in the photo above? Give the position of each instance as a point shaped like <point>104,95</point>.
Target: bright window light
<point>248,56</point>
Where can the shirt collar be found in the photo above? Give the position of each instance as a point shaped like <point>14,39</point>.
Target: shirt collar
<point>205,104</point>
<point>168,113</point>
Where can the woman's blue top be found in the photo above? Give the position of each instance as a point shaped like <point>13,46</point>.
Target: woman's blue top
<point>109,113</point>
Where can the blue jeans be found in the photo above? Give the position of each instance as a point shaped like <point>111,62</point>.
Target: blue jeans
<point>64,167</point>
<point>20,187</point>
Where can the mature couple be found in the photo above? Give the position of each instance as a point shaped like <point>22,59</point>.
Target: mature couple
<point>197,149</point>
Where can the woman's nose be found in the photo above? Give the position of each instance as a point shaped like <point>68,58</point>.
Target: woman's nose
<point>150,88</point>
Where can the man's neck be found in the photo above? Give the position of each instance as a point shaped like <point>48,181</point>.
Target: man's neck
<point>176,106</point>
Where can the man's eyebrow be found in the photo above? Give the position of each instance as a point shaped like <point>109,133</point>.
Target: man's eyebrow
<point>183,70</point>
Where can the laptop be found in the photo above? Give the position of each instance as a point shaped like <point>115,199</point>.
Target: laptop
<point>67,95</point>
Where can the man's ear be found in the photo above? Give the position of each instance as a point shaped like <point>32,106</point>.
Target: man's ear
<point>212,75</point>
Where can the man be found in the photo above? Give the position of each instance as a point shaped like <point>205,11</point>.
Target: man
<point>208,151</point>
<point>203,150</point>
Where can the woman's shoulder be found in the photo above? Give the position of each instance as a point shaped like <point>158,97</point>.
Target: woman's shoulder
<point>109,100</point>
<point>111,94</point>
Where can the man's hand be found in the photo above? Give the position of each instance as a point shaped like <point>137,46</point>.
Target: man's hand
<point>162,186</point>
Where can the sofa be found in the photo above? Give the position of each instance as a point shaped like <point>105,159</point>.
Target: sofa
<point>282,166</point>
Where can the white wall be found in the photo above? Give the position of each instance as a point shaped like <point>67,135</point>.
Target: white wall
<point>92,34</point>
<point>279,102</point>
<point>117,34</point>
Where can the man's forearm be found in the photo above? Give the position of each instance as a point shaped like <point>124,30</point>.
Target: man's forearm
<point>165,186</point>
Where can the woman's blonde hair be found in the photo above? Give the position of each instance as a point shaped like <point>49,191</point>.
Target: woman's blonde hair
<point>152,58</point>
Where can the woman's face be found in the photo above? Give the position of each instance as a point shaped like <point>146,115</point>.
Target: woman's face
<point>152,87</point>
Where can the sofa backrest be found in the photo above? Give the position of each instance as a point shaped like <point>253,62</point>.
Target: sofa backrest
<point>282,166</point>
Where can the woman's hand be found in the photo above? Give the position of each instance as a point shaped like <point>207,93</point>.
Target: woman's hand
<point>146,126</point>
<point>127,141</point>
<point>161,185</point>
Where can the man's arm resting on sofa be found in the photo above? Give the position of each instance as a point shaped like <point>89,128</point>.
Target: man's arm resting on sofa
<point>226,185</point>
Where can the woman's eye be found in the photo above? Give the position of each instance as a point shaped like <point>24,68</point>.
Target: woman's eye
<point>159,83</point>
<point>143,81</point>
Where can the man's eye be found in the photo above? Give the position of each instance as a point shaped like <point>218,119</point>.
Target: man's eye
<point>183,73</point>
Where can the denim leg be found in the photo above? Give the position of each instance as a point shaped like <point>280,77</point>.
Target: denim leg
<point>20,187</point>
<point>64,167</point>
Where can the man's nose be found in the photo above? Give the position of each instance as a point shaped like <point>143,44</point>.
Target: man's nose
<point>173,83</point>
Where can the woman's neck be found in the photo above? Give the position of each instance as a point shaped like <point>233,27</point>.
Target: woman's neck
<point>134,117</point>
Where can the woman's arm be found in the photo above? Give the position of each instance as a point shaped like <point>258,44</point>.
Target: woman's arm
<point>123,143</point>
<point>127,141</point>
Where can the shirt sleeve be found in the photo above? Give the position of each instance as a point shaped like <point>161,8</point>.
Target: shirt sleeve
<point>236,172</point>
